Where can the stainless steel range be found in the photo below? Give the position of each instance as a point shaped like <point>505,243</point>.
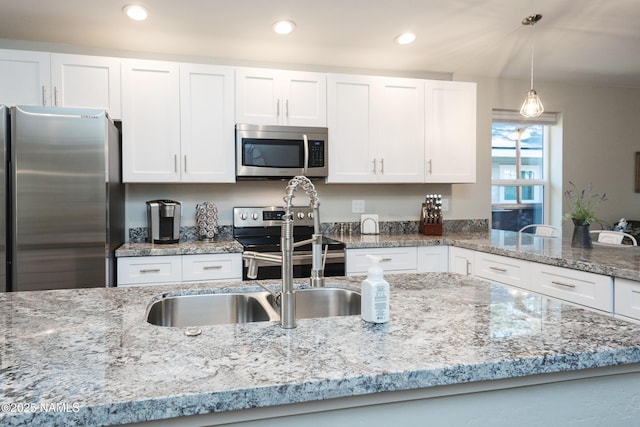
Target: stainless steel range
<point>258,229</point>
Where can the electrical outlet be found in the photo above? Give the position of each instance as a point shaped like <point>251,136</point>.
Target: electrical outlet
<point>445,205</point>
<point>357,206</point>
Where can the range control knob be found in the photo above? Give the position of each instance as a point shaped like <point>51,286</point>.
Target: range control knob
<point>244,216</point>
<point>255,216</point>
<point>300,215</point>
<point>310,215</point>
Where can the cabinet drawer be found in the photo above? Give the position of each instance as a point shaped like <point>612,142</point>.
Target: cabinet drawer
<point>152,269</point>
<point>502,269</point>
<point>627,298</point>
<point>392,260</point>
<point>579,287</point>
<point>211,267</point>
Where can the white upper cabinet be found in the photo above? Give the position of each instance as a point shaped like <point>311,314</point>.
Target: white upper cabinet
<point>86,81</point>
<point>26,78</point>
<point>177,123</point>
<point>207,123</point>
<point>277,97</point>
<point>351,128</point>
<point>376,129</point>
<point>450,131</point>
<point>60,80</point>
<point>399,112</point>
<point>150,121</point>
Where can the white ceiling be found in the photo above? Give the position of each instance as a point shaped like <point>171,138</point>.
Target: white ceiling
<point>592,41</point>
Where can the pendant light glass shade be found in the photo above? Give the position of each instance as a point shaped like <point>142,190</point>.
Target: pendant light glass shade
<point>532,106</point>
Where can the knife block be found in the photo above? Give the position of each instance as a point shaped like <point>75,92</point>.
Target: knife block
<point>430,229</point>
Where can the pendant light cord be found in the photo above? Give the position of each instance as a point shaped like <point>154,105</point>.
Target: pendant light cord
<point>532,48</point>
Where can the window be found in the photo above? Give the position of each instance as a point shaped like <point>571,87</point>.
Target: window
<point>519,172</point>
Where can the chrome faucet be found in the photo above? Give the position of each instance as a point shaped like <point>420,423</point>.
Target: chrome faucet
<point>287,295</point>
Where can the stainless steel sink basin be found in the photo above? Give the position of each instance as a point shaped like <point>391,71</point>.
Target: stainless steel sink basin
<point>243,307</point>
<point>211,309</point>
<point>323,302</point>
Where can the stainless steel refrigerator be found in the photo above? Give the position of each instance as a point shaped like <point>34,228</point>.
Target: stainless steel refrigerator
<point>64,212</point>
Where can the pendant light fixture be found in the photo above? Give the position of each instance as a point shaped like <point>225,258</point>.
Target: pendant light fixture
<point>532,106</point>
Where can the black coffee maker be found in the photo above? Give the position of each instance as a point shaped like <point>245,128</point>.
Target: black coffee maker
<point>163,221</point>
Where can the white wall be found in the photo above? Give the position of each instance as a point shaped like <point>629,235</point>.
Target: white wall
<point>599,139</point>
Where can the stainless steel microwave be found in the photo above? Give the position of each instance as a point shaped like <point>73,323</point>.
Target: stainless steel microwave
<point>281,151</point>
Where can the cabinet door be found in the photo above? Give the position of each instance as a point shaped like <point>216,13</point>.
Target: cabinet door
<point>25,78</point>
<point>461,261</point>
<point>86,81</point>
<point>627,298</point>
<point>207,123</point>
<point>351,128</point>
<point>450,131</point>
<point>304,99</point>
<point>257,96</point>
<point>150,121</point>
<point>433,259</point>
<point>399,116</point>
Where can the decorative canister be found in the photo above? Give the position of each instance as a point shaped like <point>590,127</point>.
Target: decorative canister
<point>206,221</point>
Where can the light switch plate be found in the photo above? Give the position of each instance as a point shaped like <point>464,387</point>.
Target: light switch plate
<point>357,206</point>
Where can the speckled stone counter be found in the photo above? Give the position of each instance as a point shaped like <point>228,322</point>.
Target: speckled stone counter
<point>189,247</point>
<point>92,350</point>
<point>622,262</point>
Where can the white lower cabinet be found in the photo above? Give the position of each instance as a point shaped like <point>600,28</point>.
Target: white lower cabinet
<point>578,287</point>
<point>150,270</point>
<point>392,260</point>
<point>502,269</point>
<point>433,259</point>
<point>461,260</point>
<point>627,299</point>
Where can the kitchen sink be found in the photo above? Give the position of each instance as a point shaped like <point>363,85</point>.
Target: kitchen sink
<point>244,307</point>
<point>211,309</point>
<point>323,302</point>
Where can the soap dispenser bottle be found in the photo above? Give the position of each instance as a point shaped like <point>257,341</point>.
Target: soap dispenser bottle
<point>375,294</point>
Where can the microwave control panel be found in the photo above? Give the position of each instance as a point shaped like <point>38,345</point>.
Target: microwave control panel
<point>316,154</point>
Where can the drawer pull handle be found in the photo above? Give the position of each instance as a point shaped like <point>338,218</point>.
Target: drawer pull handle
<point>566,285</point>
<point>386,259</point>
<point>150,270</point>
<point>212,267</point>
<point>501,270</point>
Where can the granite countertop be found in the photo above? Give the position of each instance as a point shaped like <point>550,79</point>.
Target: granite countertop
<point>188,247</point>
<point>616,261</point>
<point>92,350</point>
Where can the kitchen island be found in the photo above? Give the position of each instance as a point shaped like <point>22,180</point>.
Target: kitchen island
<point>456,348</point>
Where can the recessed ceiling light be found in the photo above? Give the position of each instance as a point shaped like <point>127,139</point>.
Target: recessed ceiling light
<point>136,12</point>
<point>406,38</point>
<point>284,27</point>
